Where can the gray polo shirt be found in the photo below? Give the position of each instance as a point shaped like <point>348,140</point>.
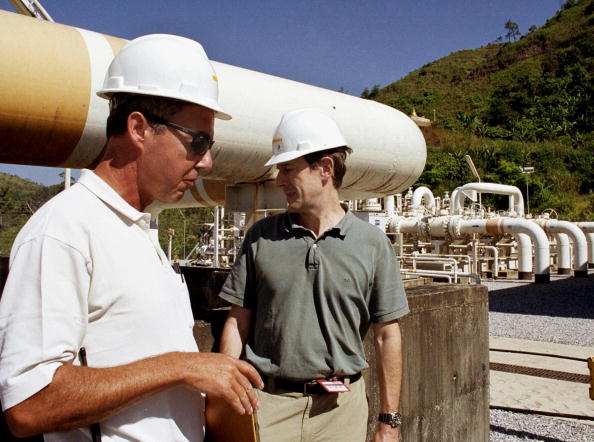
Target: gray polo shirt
<point>313,300</point>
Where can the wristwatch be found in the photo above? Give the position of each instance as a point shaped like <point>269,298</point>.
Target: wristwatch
<point>393,419</point>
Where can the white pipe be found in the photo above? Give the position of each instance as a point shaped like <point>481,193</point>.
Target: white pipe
<point>169,244</point>
<point>458,198</point>
<point>423,195</point>
<point>372,205</point>
<point>563,254</point>
<point>524,256</point>
<point>580,252</point>
<point>423,258</point>
<point>459,258</point>
<point>516,200</point>
<point>398,224</point>
<point>588,229</point>
<point>448,255</point>
<point>454,210</point>
<point>390,205</point>
<point>499,226</point>
<point>590,239</point>
<point>446,274</point>
<point>586,226</point>
<point>419,273</point>
<point>389,150</point>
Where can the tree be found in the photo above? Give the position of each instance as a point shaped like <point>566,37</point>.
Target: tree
<point>513,30</point>
<point>370,94</point>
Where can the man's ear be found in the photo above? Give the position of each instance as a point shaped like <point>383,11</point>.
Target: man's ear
<point>137,127</point>
<point>326,165</point>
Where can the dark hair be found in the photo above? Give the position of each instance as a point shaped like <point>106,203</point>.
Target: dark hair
<point>122,105</point>
<point>338,155</point>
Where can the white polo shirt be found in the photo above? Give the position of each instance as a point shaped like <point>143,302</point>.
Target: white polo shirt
<point>85,271</point>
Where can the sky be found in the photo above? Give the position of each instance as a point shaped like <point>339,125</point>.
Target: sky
<point>339,45</point>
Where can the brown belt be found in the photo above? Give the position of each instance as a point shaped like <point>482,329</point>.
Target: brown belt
<point>305,387</point>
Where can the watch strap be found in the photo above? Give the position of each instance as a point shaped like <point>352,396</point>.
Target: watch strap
<point>393,419</point>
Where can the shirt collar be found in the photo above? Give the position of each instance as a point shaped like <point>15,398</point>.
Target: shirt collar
<point>289,223</point>
<point>109,196</point>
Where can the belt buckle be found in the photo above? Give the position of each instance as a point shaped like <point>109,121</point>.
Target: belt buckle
<point>305,384</point>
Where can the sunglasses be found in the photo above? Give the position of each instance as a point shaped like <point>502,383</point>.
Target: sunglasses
<point>201,141</point>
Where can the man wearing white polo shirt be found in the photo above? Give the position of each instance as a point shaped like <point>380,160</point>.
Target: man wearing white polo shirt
<point>88,273</point>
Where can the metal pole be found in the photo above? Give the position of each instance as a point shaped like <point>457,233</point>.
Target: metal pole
<point>527,197</point>
<point>67,175</point>
<point>478,177</point>
<point>216,236</point>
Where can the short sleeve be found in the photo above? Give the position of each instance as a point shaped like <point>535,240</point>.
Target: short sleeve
<point>43,316</point>
<point>388,299</point>
<point>238,288</point>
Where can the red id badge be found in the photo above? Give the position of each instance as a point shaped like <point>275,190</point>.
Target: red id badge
<point>334,386</point>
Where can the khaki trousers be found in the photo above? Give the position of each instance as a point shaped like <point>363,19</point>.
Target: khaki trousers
<point>292,417</point>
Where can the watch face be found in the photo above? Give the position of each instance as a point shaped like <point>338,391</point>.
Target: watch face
<point>396,420</point>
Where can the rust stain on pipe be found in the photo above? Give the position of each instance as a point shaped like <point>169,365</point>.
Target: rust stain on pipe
<point>494,226</point>
<point>39,126</point>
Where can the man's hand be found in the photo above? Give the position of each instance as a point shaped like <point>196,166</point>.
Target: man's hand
<point>226,377</point>
<point>385,433</point>
<point>79,396</point>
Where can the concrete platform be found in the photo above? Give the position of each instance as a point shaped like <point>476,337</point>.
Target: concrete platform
<point>546,389</point>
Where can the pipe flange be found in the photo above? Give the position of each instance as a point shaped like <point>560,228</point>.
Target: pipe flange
<point>454,227</point>
<point>424,229</point>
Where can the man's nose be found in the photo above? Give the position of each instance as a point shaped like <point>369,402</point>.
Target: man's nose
<point>205,162</point>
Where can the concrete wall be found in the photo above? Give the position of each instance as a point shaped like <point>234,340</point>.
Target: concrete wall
<point>445,394</point>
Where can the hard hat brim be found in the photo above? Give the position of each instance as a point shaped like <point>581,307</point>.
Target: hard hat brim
<point>292,155</point>
<point>209,104</point>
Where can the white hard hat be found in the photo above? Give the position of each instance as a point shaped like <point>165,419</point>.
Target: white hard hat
<point>165,65</point>
<point>301,132</point>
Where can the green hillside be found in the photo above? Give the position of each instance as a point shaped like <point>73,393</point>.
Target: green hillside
<point>19,198</point>
<point>512,104</point>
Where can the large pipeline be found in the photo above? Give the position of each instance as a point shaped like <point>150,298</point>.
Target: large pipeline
<point>457,227</point>
<point>588,229</point>
<point>50,115</point>
<point>580,248</point>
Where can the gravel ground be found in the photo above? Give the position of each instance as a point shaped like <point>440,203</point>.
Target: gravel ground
<point>561,312</point>
<point>508,426</point>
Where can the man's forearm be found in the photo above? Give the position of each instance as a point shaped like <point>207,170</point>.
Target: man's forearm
<point>388,350</point>
<point>235,332</point>
<point>79,396</point>
<point>388,347</point>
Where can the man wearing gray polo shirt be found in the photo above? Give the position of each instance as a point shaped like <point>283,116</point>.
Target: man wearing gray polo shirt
<point>304,291</point>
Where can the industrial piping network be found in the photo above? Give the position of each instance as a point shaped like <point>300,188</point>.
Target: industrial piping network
<point>426,224</point>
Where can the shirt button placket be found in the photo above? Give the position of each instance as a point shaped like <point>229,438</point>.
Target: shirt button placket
<point>313,261</point>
